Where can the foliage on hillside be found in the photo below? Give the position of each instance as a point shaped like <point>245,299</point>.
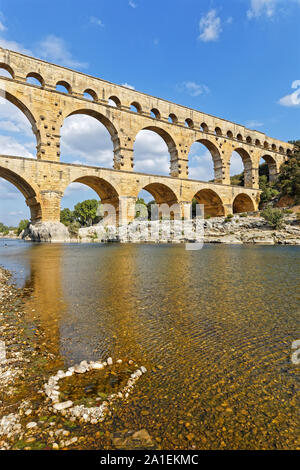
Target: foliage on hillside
<point>287,183</point>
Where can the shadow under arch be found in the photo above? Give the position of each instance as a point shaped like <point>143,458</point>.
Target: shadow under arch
<point>107,123</point>
<point>247,162</point>
<point>26,189</point>
<point>107,193</point>
<point>213,205</point>
<point>24,109</point>
<point>217,159</point>
<point>8,69</point>
<point>168,139</point>
<point>165,199</point>
<point>161,193</point>
<point>242,203</point>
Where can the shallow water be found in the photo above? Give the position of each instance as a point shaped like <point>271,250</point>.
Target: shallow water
<point>214,328</point>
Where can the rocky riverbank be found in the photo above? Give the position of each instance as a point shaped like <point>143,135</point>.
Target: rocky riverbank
<point>239,229</point>
<point>43,406</point>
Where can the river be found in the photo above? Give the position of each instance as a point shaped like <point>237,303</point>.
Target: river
<point>214,328</point>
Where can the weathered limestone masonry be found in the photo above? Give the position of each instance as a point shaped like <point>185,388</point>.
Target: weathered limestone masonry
<point>43,180</point>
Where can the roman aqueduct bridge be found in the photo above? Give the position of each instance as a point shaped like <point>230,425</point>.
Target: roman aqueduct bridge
<point>125,112</point>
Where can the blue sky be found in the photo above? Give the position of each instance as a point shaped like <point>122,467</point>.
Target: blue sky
<point>236,59</point>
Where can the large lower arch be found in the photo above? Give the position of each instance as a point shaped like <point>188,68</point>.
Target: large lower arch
<point>105,190</point>
<point>107,193</point>
<point>26,189</point>
<point>107,123</point>
<point>213,205</point>
<point>161,193</point>
<point>172,149</point>
<point>165,199</point>
<point>216,157</point>
<point>242,203</point>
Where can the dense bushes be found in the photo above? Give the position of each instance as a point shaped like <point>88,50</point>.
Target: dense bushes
<point>274,217</point>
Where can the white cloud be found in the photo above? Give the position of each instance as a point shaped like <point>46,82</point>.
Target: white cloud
<point>13,120</point>
<point>85,140</point>
<point>2,25</point>
<point>151,154</point>
<point>210,26</point>
<point>200,163</point>
<point>266,8</point>
<point>55,49</point>
<point>9,146</point>
<point>131,87</point>
<point>192,88</point>
<point>132,4</point>
<point>293,99</point>
<point>14,46</point>
<point>253,124</point>
<point>52,48</point>
<point>236,164</point>
<point>261,7</point>
<point>96,21</point>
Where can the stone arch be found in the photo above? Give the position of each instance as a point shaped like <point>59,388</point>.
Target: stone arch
<point>106,191</point>
<point>272,166</point>
<point>173,119</point>
<point>204,127</point>
<point>213,205</point>
<point>29,193</point>
<point>165,199</point>
<point>37,77</point>
<point>189,123</point>
<point>155,113</point>
<point>115,100</point>
<point>218,131</point>
<point>25,110</point>
<point>217,159</point>
<point>107,124</point>
<point>91,93</point>
<point>8,69</point>
<point>247,162</point>
<point>136,107</point>
<point>162,193</point>
<point>242,203</point>
<point>229,134</point>
<point>64,84</point>
<point>168,139</point>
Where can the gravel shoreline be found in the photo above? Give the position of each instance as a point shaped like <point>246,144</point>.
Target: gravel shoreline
<point>28,419</point>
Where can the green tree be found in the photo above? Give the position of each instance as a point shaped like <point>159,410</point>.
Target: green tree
<point>67,217</point>
<point>141,211</point>
<point>86,213</point>
<point>22,226</point>
<point>237,180</point>
<point>269,191</point>
<point>274,217</point>
<point>3,228</point>
<point>288,182</point>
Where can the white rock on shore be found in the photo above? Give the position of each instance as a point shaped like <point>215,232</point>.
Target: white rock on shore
<point>237,230</point>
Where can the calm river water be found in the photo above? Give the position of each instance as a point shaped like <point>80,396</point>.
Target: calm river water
<point>213,327</point>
